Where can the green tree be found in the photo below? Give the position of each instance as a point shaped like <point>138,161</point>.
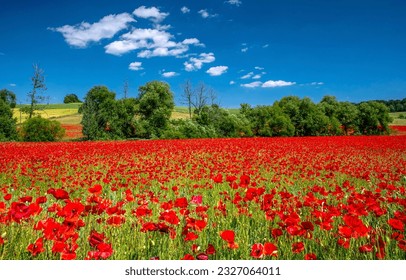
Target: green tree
<point>155,106</point>
<point>374,118</point>
<point>71,98</point>
<point>7,122</point>
<point>99,113</point>
<point>9,97</point>
<point>348,117</point>
<point>38,129</point>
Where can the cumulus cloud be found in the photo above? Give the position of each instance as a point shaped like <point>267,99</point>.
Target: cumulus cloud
<point>232,83</point>
<point>196,63</point>
<point>217,70</point>
<point>256,77</point>
<point>82,34</point>
<point>153,14</point>
<point>135,66</point>
<point>234,2</point>
<point>205,14</point>
<point>169,74</point>
<point>244,49</point>
<point>247,76</point>
<point>252,85</point>
<point>279,83</point>
<point>185,10</point>
<point>150,42</point>
<point>259,68</point>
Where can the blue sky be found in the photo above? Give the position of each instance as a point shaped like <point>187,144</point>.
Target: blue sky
<point>253,51</point>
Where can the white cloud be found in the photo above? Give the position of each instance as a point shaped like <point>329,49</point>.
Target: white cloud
<point>192,41</point>
<point>232,83</point>
<point>217,71</point>
<point>185,10</point>
<point>154,42</point>
<point>317,83</point>
<point>196,63</point>
<point>135,66</point>
<point>82,34</point>
<point>252,85</point>
<point>12,85</point>
<point>244,50</point>
<point>274,84</point>
<point>205,14</point>
<point>265,46</point>
<point>234,2</point>
<point>152,13</point>
<point>247,76</point>
<point>259,68</point>
<point>169,74</point>
<point>256,77</point>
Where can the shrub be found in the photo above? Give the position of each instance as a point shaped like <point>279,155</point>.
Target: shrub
<point>38,129</point>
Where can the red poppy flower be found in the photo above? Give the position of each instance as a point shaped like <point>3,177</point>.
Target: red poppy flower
<point>310,256</point>
<point>96,189</point>
<point>396,224</point>
<point>105,250</point>
<point>276,232</point>
<point>218,178</point>
<point>58,193</point>
<point>58,247</point>
<point>257,251</point>
<point>115,220</point>
<point>210,250</point>
<point>297,247</point>
<point>96,238</point>
<point>270,249</point>
<point>190,236</point>
<point>170,216</point>
<point>202,256</point>
<point>7,197</point>
<point>1,240</point>
<point>181,202</point>
<point>345,243</point>
<point>366,248</point>
<point>228,235</point>
<point>402,245</point>
<point>188,257</point>
<point>37,247</point>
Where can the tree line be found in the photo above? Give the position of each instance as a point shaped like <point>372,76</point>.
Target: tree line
<point>148,116</point>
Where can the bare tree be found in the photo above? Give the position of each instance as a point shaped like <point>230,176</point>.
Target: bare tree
<point>125,89</point>
<point>187,96</point>
<point>197,98</point>
<point>35,95</point>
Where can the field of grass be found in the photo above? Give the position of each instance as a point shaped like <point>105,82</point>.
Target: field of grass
<point>396,119</point>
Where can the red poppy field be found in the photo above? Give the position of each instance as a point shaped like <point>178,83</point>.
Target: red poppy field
<point>333,198</point>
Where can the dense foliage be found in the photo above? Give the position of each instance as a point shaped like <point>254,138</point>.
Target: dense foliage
<point>71,98</point>
<point>395,105</point>
<point>7,122</point>
<point>38,129</point>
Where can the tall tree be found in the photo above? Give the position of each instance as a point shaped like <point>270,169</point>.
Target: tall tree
<point>155,106</point>
<point>35,96</point>
<point>187,97</point>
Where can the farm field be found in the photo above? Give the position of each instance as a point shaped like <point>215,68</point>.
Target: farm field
<point>334,198</point>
